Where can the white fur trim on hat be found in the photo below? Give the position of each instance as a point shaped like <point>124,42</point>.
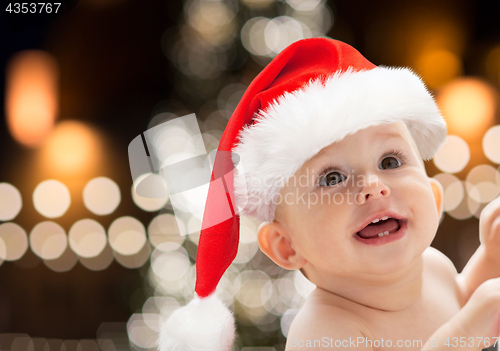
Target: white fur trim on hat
<point>204,324</point>
<point>297,125</point>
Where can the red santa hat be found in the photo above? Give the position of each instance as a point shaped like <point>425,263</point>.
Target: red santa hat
<point>314,93</point>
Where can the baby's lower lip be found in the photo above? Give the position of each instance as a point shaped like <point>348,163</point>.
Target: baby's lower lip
<point>377,241</point>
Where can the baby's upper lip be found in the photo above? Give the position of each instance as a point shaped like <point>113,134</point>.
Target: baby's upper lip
<point>378,215</point>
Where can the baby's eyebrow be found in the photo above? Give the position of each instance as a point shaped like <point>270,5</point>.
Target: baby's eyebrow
<point>387,135</point>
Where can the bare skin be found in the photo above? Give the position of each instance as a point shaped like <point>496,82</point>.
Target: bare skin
<point>402,290</point>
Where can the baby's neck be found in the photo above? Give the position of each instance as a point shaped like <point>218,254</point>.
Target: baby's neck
<point>392,293</point>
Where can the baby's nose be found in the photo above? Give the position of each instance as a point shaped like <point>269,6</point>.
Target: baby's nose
<point>372,189</point>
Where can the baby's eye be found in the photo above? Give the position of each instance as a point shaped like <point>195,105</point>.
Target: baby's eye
<point>331,178</point>
<point>390,162</point>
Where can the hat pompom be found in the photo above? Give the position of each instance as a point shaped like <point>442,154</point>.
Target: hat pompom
<point>204,324</point>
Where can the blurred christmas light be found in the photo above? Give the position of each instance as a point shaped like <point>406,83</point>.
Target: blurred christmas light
<point>253,288</point>
<point>87,345</point>
<point>41,344</point>
<point>65,262</point>
<point>318,19</point>
<point>146,203</point>
<point>31,99</point>
<point>245,252</point>
<point>287,292</point>
<point>3,251</point>
<point>87,238</point>
<point>307,5</point>
<point>287,319</point>
<point>252,36</point>
<point>71,148</point>
<point>258,4</point>
<point>226,288</point>
<point>140,333</point>
<point>193,228</point>
<point>164,305</point>
<point>198,59</point>
<point>473,205</point>
<point>468,105</point>
<point>14,239</point>
<point>110,335</point>
<point>438,67</point>
<point>99,262</point>
<point>453,155</point>
<point>267,37</point>
<point>211,142</point>
<point>48,240</point>
<point>466,208</point>
<point>10,202</point>
<point>498,176</point>
<point>212,20</point>
<point>491,144</point>
<point>101,196</point>
<point>229,97</point>
<point>483,179</point>
<point>51,198</point>
<point>282,31</point>
<point>170,266</point>
<point>302,285</point>
<point>164,233</point>
<point>127,235</point>
<point>21,343</point>
<point>135,260</point>
<point>453,190</point>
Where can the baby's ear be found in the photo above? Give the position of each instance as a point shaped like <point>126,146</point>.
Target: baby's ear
<point>275,242</point>
<point>437,190</point>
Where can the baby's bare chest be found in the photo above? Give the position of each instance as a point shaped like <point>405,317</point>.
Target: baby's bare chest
<point>411,329</point>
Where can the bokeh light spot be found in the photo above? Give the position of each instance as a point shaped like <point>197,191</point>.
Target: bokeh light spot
<point>491,144</point>
<point>101,196</point>
<point>100,262</point>
<point>483,179</point>
<point>51,198</point>
<point>63,263</point>
<point>468,106</point>
<point>453,155</point>
<point>87,238</point>
<point>136,260</point>
<point>439,67</point>
<point>164,231</point>
<point>15,240</point>
<point>72,148</point>
<point>453,190</point>
<point>127,235</point>
<point>140,333</point>
<point>146,203</point>
<point>31,96</point>
<point>463,210</point>
<point>10,202</point>
<point>48,240</point>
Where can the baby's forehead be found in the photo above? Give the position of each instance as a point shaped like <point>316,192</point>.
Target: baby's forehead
<point>387,134</point>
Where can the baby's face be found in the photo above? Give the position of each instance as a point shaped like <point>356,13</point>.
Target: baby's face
<point>368,176</point>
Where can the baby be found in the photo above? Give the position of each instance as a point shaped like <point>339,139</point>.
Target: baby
<point>329,151</point>
<point>365,244</point>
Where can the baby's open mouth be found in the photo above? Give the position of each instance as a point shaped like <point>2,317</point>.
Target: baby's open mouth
<point>380,228</point>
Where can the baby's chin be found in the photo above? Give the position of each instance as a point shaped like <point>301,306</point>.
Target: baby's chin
<point>387,263</point>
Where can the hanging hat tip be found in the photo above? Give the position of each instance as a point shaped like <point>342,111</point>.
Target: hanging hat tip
<point>205,324</point>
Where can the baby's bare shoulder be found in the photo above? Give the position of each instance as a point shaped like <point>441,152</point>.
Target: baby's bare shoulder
<point>437,263</point>
<point>324,322</point>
